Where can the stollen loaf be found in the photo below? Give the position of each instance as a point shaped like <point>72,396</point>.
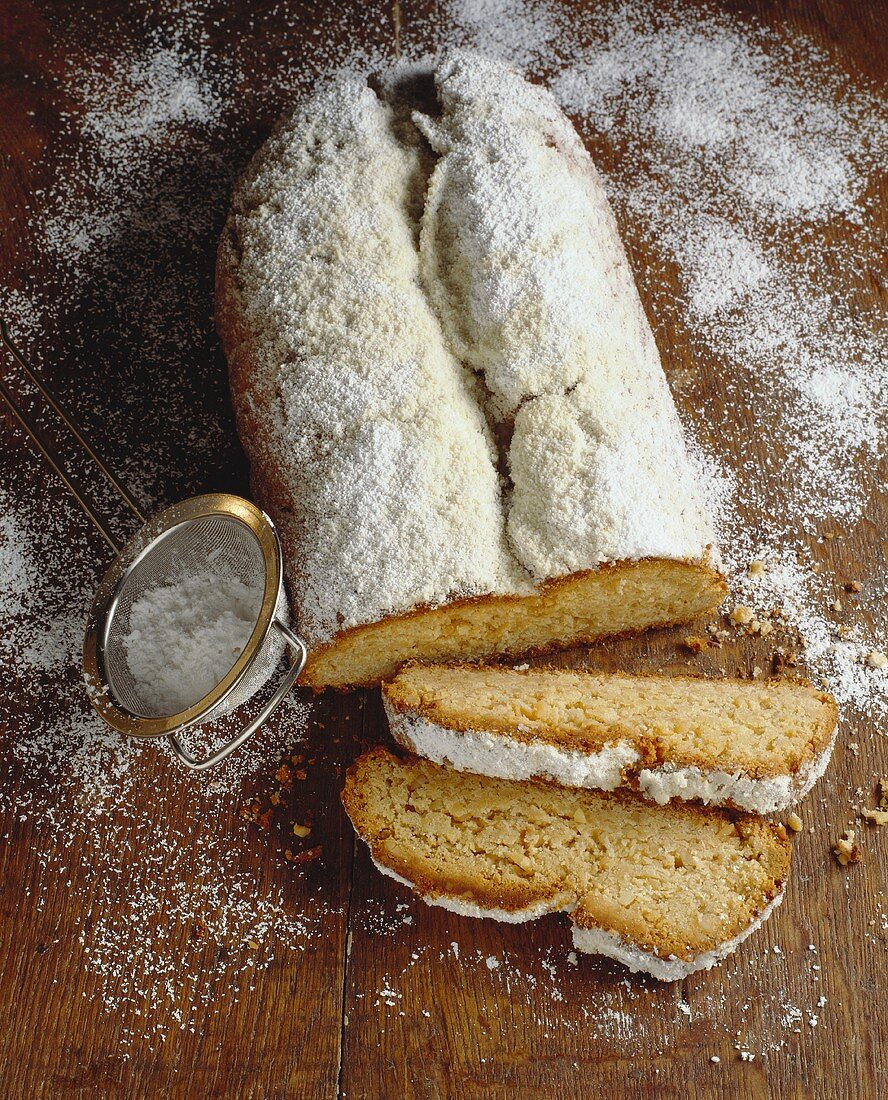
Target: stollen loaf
<point>445,381</point>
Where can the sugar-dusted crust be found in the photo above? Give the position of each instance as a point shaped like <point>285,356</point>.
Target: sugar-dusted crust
<point>623,756</point>
<point>414,465</point>
<point>596,941</point>
<point>596,909</point>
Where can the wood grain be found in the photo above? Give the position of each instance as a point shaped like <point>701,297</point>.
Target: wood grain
<point>390,998</point>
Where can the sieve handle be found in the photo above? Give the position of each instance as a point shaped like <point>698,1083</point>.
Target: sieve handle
<point>28,420</point>
<point>290,678</point>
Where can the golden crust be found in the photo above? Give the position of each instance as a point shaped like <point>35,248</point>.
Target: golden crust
<point>767,846</point>
<point>713,588</point>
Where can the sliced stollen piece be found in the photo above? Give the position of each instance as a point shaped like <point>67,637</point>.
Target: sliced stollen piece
<point>445,381</point>
<point>666,890</point>
<point>755,745</point>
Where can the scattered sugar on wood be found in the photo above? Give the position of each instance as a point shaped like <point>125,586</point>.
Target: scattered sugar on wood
<point>164,910</point>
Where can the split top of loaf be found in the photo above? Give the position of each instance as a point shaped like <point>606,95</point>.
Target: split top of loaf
<point>445,381</point>
<point>679,884</point>
<point>759,745</point>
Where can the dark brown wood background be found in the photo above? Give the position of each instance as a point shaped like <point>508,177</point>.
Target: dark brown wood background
<point>364,1013</point>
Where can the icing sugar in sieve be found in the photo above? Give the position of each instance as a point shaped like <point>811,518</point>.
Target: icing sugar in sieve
<point>185,636</point>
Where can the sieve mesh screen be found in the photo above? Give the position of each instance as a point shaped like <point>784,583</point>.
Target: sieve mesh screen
<point>222,545</point>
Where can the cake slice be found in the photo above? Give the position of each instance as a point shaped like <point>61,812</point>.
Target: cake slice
<point>665,890</point>
<point>755,745</point>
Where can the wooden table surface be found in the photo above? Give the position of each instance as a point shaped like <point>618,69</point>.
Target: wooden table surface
<point>386,997</point>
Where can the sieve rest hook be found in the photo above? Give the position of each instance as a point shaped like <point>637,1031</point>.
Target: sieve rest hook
<point>290,678</point>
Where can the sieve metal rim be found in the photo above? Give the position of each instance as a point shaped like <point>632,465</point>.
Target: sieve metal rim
<point>101,612</point>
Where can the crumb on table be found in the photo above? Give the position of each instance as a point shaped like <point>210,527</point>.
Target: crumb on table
<point>846,849</point>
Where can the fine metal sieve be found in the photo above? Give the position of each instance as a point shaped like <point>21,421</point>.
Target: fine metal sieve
<point>225,531</point>
<point>240,541</point>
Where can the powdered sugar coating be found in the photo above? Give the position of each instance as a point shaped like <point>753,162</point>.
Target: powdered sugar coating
<point>523,260</point>
<point>497,754</point>
<point>599,941</point>
<point>370,433</point>
<point>184,637</point>
<point>352,397</point>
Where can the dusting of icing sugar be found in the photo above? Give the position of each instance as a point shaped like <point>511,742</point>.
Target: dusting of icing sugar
<point>124,230</point>
<point>522,258</point>
<point>725,110</point>
<point>790,592</point>
<point>138,110</point>
<point>122,226</point>
<point>19,572</point>
<point>554,330</point>
<point>394,495</point>
<point>152,95</point>
<point>523,33</point>
<point>618,1010</point>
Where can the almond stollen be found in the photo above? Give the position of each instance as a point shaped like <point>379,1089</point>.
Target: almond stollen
<point>667,890</point>
<point>445,382</point>
<point>755,745</point>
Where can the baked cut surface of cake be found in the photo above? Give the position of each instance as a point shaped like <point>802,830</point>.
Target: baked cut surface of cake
<point>445,381</point>
<point>663,889</point>
<point>757,745</point>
